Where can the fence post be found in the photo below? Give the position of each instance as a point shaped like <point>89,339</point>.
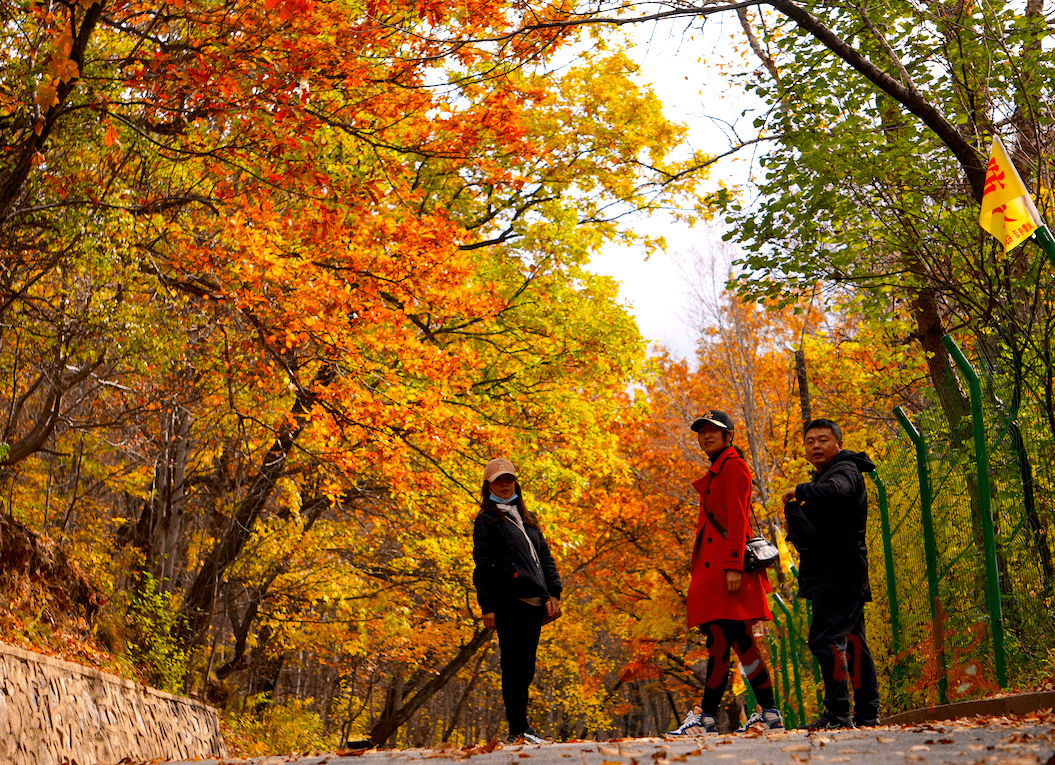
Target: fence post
<point>996,618</point>
<point>813,659</point>
<point>926,500</point>
<point>773,656</point>
<point>794,651</point>
<point>891,580</point>
<point>784,678</point>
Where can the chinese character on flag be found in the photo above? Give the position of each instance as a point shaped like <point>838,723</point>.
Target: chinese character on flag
<point>1008,212</point>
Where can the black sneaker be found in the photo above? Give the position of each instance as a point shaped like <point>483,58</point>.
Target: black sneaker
<point>828,721</point>
<point>526,737</point>
<point>866,722</point>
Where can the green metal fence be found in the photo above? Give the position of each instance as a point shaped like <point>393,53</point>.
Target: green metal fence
<point>962,565</point>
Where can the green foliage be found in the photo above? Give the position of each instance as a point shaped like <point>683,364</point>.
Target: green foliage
<point>153,641</point>
<point>259,727</point>
<point>858,192</point>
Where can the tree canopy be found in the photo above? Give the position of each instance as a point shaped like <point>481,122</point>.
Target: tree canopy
<point>279,278</point>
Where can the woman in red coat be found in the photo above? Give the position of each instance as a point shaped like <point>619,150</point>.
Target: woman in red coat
<point>724,599</point>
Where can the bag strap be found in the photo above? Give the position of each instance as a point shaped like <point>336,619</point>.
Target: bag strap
<point>714,521</point>
<point>531,545</point>
<point>757,525</point>
<point>710,517</point>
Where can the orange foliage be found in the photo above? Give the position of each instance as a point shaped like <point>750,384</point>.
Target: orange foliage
<point>638,573</point>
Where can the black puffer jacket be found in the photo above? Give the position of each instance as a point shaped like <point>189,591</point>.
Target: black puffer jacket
<point>828,524</point>
<point>505,568</point>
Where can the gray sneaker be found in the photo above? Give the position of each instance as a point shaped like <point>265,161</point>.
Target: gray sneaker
<point>696,723</point>
<point>769,719</point>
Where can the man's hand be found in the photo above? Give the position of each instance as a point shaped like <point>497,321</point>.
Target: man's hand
<point>732,581</point>
<point>789,495</point>
<point>489,620</point>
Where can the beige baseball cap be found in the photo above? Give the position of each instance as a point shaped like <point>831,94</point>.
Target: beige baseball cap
<point>498,466</point>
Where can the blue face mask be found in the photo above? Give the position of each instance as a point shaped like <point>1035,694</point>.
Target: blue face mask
<point>500,501</point>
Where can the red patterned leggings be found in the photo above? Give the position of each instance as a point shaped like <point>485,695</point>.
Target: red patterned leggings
<point>722,636</point>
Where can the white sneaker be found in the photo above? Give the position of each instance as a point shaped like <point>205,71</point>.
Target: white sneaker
<point>527,736</point>
<point>696,723</point>
<point>770,719</point>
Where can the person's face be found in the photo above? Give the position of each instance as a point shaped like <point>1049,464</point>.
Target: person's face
<point>503,486</point>
<point>713,439</point>
<point>821,447</point>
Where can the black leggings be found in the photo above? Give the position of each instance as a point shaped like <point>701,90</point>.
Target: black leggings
<point>722,636</point>
<point>519,625</point>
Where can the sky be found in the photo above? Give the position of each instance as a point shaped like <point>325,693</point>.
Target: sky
<point>681,70</point>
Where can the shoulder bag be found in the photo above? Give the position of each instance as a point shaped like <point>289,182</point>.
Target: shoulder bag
<point>759,552</point>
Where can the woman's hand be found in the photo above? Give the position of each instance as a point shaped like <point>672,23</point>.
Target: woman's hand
<point>732,581</point>
<point>553,608</point>
<point>489,620</point>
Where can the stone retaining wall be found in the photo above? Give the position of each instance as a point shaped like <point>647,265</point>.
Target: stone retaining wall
<point>52,711</point>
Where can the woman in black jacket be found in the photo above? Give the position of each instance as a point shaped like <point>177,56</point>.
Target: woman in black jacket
<point>517,586</point>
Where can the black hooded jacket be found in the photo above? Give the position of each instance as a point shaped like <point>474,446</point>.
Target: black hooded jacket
<point>828,524</point>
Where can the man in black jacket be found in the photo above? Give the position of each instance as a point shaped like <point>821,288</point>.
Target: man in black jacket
<point>827,521</point>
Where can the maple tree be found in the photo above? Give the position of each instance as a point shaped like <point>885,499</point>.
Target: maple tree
<point>637,561</point>
<point>278,278</point>
<point>876,124</point>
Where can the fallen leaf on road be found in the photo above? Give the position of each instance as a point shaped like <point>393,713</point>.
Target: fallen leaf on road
<point>796,748</point>
<point>611,751</point>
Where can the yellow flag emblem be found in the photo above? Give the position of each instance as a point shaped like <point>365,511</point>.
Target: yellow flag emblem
<point>1008,212</point>
<point>738,681</point>
<point>785,554</point>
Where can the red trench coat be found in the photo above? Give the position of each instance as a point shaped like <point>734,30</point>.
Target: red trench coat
<point>726,491</point>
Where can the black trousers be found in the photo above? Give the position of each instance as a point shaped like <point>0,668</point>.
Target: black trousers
<point>519,625</point>
<point>724,635</point>
<point>837,639</point>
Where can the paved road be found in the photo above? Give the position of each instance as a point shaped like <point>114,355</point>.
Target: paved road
<point>1000,741</point>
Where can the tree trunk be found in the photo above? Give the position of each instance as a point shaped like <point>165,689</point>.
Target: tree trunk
<point>805,407</point>
<point>464,697</point>
<point>197,606</point>
<point>174,473</point>
<point>396,715</point>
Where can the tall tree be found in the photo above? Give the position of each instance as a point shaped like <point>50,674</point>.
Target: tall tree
<point>278,277</point>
